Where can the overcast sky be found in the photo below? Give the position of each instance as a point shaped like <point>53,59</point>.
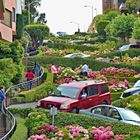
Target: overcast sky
<point>60,13</point>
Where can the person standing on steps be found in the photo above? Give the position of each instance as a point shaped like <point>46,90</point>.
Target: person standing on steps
<point>2,97</point>
<point>37,69</point>
<point>29,76</point>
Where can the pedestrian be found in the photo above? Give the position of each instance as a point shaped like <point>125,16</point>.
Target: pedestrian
<point>84,70</point>
<point>29,76</point>
<point>55,70</point>
<point>2,97</point>
<point>37,69</point>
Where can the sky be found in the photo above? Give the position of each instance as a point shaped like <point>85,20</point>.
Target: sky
<point>65,15</point>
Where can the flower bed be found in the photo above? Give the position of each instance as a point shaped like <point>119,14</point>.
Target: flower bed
<point>49,132</point>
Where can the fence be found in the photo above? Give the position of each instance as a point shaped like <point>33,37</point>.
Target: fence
<point>8,119</point>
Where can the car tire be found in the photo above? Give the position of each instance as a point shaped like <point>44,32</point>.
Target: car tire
<point>75,110</point>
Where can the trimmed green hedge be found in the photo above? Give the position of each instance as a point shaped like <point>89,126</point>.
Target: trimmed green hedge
<point>36,93</point>
<point>62,46</point>
<point>132,53</point>
<point>76,62</point>
<point>63,119</point>
<point>132,102</point>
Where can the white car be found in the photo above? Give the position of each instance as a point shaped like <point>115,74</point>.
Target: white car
<point>73,55</point>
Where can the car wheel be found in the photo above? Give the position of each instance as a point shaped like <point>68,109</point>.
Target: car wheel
<point>75,110</point>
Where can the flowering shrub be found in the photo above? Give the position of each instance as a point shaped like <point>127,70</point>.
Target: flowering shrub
<point>48,132</point>
<point>116,85</point>
<point>122,72</point>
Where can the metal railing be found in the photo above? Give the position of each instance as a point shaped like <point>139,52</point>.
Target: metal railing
<point>10,122</point>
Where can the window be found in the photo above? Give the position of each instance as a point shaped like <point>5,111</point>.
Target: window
<point>93,90</point>
<point>13,15</point>
<point>104,88</point>
<point>7,18</point>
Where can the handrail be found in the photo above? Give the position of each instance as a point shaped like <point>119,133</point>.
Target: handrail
<point>9,115</point>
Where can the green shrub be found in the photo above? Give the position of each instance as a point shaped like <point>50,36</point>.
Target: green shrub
<point>63,119</point>
<point>116,95</point>
<point>21,129</point>
<point>38,92</point>
<point>62,46</point>
<point>18,99</point>
<point>68,62</point>
<point>131,102</point>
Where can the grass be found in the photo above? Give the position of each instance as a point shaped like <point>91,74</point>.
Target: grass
<point>21,130</point>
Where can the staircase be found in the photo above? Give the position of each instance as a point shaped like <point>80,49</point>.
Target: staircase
<point>7,120</point>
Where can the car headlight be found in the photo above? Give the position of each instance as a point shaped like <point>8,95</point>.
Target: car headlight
<point>64,106</point>
<point>38,103</point>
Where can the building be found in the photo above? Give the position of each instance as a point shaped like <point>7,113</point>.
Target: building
<point>100,6</point>
<point>8,10</point>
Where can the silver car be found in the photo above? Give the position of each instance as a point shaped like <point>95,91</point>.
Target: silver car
<point>113,113</point>
<point>132,91</point>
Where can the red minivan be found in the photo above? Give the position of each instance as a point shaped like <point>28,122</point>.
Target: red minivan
<point>68,97</point>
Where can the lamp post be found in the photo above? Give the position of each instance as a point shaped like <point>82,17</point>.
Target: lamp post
<point>29,7</point>
<point>77,25</point>
<point>91,10</point>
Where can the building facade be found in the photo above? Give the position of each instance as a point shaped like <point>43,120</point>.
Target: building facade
<point>100,6</point>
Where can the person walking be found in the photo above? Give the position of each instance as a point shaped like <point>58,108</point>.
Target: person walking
<point>37,69</point>
<point>2,96</point>
<point>29,76</point>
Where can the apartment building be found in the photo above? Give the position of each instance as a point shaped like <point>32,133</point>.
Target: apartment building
<point>8,11</point>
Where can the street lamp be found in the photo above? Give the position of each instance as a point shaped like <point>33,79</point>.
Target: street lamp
<point>29,7</point>
<point>91,10</point>
<point>77,25</point>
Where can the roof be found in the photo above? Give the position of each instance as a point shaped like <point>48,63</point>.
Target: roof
<point>80,84</point>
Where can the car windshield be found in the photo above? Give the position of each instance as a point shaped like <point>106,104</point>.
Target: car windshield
<point>66,92</point>
<point>137,84</point>
<point>129,115</point>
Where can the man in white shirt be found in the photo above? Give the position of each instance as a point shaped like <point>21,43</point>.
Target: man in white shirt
<point>85,69</point>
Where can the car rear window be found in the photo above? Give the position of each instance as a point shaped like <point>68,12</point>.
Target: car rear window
<point>104,88</point>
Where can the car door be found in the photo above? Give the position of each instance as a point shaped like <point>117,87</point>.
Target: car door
<point>100,112</point>
<point>93,91</point>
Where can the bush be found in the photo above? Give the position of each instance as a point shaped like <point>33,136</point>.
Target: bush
<point>62,46</point>
<point>38,92</point>
<point>68,62</point>
<point>63,119</point>
<point>131,102</point>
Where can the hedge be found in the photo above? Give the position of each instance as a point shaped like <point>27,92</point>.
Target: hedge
<point>133,102</point>
<point>63,119</point>
<point>36,93</point>
<point>131,52</point>
<point>76,62</point>
<point>62,46</point>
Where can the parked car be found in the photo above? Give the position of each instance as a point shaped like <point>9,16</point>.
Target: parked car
<point>68,97</point>
<point>132,91</point>
<point>46,42</point>
<point>113,113</point>
<point>73,55</point>
<point>127,47</point>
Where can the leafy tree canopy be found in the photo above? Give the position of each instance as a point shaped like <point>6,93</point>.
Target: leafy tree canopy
<point>121,26</point>
<point>37,33</point>
<point>136,29</point>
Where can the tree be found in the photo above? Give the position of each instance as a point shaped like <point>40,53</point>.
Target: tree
<point>33,8</point>
<point>121,26</point>
<point>136,30</point>
<point>103,20</point>
<point>37,32</point>
<point>100,27</point>
<point>42,18</point>
<point>7,71</point>
<point>133,5</point>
